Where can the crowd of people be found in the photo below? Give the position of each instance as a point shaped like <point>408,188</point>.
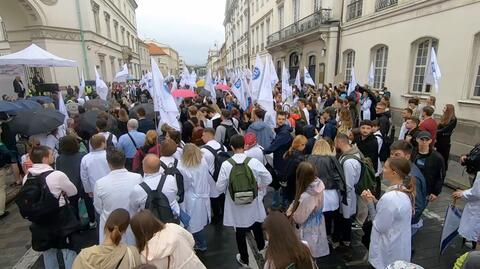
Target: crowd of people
<point>152,190</point>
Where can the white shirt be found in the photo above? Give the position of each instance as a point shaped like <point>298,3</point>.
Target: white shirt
<point>352,170</point>
<point>106,135</point>
<point>243,215</point>
<point>470,222</point>
<point>403,131</point>
<point>379,137</point>
<point>391,232</point>
<point>138,196</point>
<point>111,192</point>
<point>366,104</point>
<point>331,200</point>
<point>93,167</point>
<point>257,153</point>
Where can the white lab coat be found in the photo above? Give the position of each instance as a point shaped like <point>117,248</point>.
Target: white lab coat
<point>470,222</point>
<point>106,135</point>
<point>197,196</point>
<point>257,153</point>
<point>243,216</point>
<point>391,232</point>
<point>366,104</point>
<point>403,131</point>
<point>352,170</point>
<point>111,192</point>
<point>210,161</point>
<point>94,166</point>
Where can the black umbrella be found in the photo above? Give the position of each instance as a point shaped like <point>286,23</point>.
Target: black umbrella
<point>87,122</point>
<point>204,93</point>
<point>8,106</point>
<point>42,99</point>
<point>150,113</point>
<point>28,104</point>
<point>97,104</point>
<point>36,121</point>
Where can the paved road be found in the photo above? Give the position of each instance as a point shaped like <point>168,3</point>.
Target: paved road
<point>15,244</point>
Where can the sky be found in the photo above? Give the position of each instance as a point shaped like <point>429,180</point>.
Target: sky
<point>189,26</point>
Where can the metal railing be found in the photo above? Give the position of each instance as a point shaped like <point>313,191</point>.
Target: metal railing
<point>354,10</point>
<point>305,25</point>
<point>384,4</point>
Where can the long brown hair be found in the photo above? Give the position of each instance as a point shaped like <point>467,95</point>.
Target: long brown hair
<point>304,177</point>
<point>402,167</point>
<point>144,226</point>
<point>284,246</point>
<point>297,142</point>
<point>448,115</point>
<point>117,224</point>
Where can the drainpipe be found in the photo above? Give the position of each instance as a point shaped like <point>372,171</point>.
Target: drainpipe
<point>248,35</point>
<point>339,32</point>
<point>82,38</point>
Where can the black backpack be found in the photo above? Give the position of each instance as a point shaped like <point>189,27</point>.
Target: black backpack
<point>173,171</point>
<point>35,201</point>
<point>472,162</point>
<point>157,202</point>
<point>229,132</point>
<point>110,145</point>
<point>384,153</point>
<point>220,157</point>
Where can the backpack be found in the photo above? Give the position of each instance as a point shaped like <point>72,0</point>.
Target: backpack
<point>35,201</point>
<point>220,156</point>
<point>110,145</point>
<point>157,202</point>
<point>472,162</point>
<point>229,132</point>
<point>242,185</point>
<point>367,179</point>
<point>173,171</point>
<point>384,153</point>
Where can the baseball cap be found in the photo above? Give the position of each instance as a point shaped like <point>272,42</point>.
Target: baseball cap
<point>424,134</point>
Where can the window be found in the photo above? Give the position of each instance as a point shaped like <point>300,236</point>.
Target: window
<point>476,90</point>
<point>267,27</point>
<point>476,67</point>
<point>293,64</point>
<point>262,35</point>
<point>279,69</point>
<point>317,5</point>
<point>128,39</point>
<point>96,16</point>
<point>280,17</point>
<point>384,4</point>
<point>380,67</point>
<point>256,5</point>
<point>349,63</point>
<point>122,29</point>
<point>107,23</point>
<point>112,66</point>
<point>296,10</point>
<point>312,62</point>
<point>422,57</point>
<point>115,28</point>
<point>354,9</point>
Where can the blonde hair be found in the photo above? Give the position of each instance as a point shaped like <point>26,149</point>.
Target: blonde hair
<point>297,141</point>
<point>151,138</point>
<point>192,155</point>
<point>322,148</point>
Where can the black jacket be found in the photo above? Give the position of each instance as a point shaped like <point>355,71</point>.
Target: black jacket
<point>369,148</point>
<point>279,146</point>
<point>144,125</point>
<point>70,165</point>
<point>329,170</point>
<point>444,133</point>
<point>433,170</point>
<point>17,87</point>
<point>290,171</point>
<point>187,129</point>
<point>384,122</point>
<point>309,133</point>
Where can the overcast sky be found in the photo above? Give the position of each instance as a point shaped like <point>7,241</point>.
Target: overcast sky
<point>189,26</point>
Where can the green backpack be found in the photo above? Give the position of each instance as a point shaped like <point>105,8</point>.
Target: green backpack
<point>242,184</point>
<point>367,179</point>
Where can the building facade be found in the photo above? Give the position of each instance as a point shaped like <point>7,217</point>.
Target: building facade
<point>144,55</point>
<point>167,58</point>
<point>213,60</point>
<point>236,33</point>
<point>96,33</point>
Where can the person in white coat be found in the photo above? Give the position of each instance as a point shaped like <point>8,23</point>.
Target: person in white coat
<point>244,217</point>
<point>254,150</point>
<point>93,167</point>
<point>365,103</point>
<point>470,222</point>
<point>197,193</point>
<point>113,191</point>
<point>390,239</point>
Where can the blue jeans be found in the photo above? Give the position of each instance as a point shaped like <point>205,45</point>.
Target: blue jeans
<point>50,258</point>
<point>200,240</point>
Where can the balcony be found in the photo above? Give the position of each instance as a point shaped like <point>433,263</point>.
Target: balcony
<point>384,4</point>
<point>354,10</point>
<point>301,27</point>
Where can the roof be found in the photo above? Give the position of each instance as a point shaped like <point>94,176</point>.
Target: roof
<point>155,50</point>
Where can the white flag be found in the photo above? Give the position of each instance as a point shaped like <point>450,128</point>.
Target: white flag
<point>307,79</point>
<point>122,75</point>
<point>297,81</point>
<point>257,76</point>
<point>371,75</point>
<point>238,90</point>
<point>62,109</point>
<point>100,87</point>
<point>193,80</point>
<point>353,82</point>
<point>81,88</point>
<point>185,77</point>
<point>209,85</point>
<point>286,88</point>
<point>265,97</point>
<point>433,71</point>
<point>273,77</point>
<point>163,101</point>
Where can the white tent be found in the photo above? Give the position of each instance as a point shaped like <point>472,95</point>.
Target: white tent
<point>35,56</point>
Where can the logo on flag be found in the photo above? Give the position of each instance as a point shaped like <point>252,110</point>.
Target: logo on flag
<point>238,84</point>
<point>256,73</point>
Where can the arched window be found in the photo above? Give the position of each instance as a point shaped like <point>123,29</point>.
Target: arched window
<point>312,62</point>
<point>349,57</point>
<point>422,48</point>
<point>476,67</point>
<point>293,63</point>
<point>380,67</point>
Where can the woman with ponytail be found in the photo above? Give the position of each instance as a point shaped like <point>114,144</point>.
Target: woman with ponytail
<point>391,228</point>
<point>111,254</point>
<point>293,157</point>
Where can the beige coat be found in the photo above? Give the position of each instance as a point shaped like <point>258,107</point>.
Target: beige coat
<point>172,245</point>
<point>107,257</point>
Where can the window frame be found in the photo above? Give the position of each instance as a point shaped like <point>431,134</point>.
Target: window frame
<point>349,56</point>
<point>422,67</point>
<point>380,66</point>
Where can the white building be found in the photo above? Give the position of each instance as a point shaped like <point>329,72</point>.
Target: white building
<point>96,33</point>
<point>236,33</point>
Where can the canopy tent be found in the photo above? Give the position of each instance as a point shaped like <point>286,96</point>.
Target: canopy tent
<point>35,56</point>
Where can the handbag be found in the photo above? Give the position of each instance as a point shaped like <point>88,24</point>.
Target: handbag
<point>68,221</point>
